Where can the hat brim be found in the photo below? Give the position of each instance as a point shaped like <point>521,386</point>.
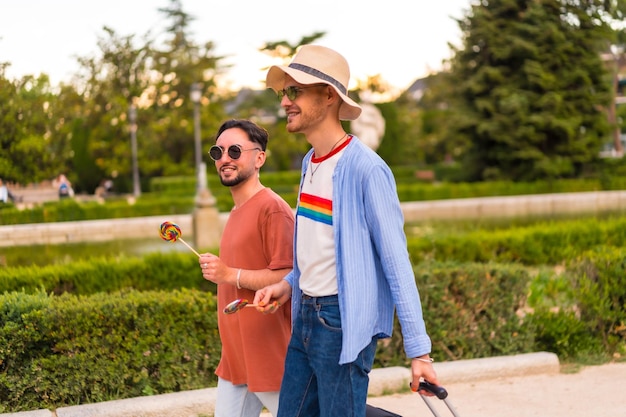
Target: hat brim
<point>275,79</point>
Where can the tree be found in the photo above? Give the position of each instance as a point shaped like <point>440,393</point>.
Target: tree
<point>28,153</point>
<point>426,112</point>
<point>96,117</point>
<point>285,50</point>
<point>531,89</point>
<point>178,64</point>
<point>128,70</point>
<point>617,62</point>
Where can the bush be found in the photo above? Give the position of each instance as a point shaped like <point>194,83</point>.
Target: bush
<point>75,210</point>
<point>582,313</point>
<point>470,310</point>
<point>562,332</point>
<point>599,281</point>
<point>152,272</point>
<point>59,351</point>
<point>546,243</point>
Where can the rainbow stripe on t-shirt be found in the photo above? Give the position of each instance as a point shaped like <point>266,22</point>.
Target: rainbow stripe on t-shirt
<point>316,208</point>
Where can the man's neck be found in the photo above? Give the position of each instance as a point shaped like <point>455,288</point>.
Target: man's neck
<point>245,191</point>
<point>323,141</point>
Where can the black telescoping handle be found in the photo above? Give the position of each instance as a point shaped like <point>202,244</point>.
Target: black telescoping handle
<point>439,391</point>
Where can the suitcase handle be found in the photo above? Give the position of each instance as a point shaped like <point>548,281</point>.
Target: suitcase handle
<point>439,391</point>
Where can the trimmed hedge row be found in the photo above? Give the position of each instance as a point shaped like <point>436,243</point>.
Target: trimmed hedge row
<point>546,243</point>
<point>414,191</point>
<point>69,349</point>
<point>588,318</point>
<point>64,328</point>
<point>599,285</point>
<point>74,210</point>
<point>471,311</point>
<point>66,350</point>
<point>152,272</point>
<point>182,185</point>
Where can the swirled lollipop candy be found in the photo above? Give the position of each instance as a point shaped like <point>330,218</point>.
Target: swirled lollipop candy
<point>171,232</point>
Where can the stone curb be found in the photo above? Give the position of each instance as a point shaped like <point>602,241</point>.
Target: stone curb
<point>396,379</point>
<point>384,381</point>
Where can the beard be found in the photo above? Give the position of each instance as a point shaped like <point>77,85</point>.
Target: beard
<point>231,182</point>
<point>304,121</point>
<point>235,180</point>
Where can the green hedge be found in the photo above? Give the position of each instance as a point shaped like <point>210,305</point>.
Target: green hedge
<point>68,331</point>
<point>74,210</point>
<point>284,183</point>
<point>544,243</point>
<point>76,349</point>
<point>599,282</point>
<point>589,319</point>
<point>67,350</point>
<point>152,272</point>
<point>470,310</point>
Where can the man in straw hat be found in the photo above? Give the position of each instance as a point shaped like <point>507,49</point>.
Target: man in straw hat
<point>351,265</point>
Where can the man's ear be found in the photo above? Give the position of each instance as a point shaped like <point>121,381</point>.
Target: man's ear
<point>260,159</point>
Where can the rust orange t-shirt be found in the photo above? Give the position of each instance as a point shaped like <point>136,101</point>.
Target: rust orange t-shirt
<point>258,235</point>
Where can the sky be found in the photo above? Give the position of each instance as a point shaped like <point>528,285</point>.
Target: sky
<point>400,40</point>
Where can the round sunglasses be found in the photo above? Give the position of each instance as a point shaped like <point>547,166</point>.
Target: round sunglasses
<point>234,152</point>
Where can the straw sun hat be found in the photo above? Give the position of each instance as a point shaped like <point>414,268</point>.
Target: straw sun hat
<point>314,64</point>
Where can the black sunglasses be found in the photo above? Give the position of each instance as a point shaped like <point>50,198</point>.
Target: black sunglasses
<point>234,152</point>
<point>293,92</point>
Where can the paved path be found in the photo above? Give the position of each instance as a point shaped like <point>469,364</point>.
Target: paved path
<point>594,391</point>
<point>528,385</point>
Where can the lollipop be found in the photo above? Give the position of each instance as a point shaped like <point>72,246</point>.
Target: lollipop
<point>236,305</point>
<point>240,303</point>
<point>171,232</point>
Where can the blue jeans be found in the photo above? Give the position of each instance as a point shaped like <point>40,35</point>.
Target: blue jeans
<point>314,384</point>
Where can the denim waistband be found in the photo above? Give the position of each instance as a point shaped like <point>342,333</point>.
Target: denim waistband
<point>327,299</point>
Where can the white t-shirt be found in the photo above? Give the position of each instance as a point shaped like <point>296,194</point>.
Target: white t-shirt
<point>315,239</point>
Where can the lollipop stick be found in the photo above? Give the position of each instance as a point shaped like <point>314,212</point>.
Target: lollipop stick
<point>186,244</point>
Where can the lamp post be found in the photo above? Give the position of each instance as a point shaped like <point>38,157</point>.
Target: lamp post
<point>195,95</point>
<point>132,117</point>
<point>205,214</point>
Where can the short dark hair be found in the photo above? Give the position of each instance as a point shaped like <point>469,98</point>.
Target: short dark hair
<point>255,133</point>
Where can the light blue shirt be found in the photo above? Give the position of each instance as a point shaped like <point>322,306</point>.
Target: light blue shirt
<point>374,272</point>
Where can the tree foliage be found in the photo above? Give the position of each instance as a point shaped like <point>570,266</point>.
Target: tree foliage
<point>28,153</point>
<point>84,127</point>
<point>526,97</point>
<point>531,90</point>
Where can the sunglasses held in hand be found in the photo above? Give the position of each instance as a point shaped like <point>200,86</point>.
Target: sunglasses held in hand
<point>234,152</point>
